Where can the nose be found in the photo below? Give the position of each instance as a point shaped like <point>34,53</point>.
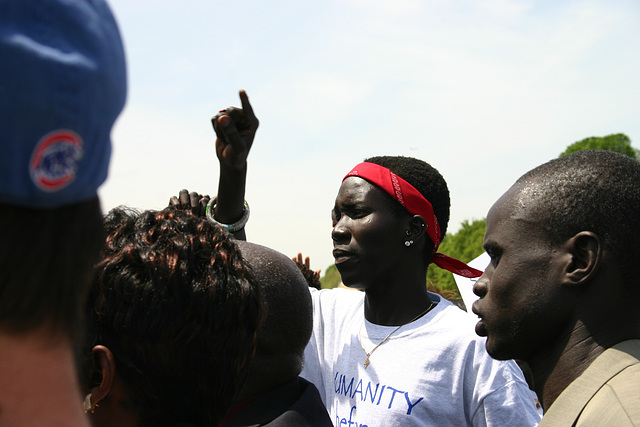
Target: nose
<point>340,232</point>
<point>481,286</point>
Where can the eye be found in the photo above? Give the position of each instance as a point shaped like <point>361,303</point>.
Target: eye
<point>495,256</point>
<point>348,211</point>
<point>357,213</point>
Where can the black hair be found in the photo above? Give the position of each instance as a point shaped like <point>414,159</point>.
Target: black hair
<point>425,178</point>
<point>591,190</point>
<point>289,322</point>
<point>179,309</point>
<point>46,262</point>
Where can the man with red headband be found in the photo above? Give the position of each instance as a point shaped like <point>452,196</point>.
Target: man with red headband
<point>394,354</point>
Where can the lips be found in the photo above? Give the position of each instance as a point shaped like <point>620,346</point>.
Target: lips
<point>474,308</point>
<point>341,256</point>
<point>481,328</point>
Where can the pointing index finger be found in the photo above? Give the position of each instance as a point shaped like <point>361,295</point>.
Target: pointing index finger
<point>246,105</point>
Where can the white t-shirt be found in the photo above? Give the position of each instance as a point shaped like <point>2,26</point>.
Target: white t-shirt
<point>432,372</point>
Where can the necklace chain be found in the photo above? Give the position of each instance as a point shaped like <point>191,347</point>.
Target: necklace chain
<point>369,353</point>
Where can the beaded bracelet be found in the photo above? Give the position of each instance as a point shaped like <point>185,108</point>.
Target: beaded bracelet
<point>231,228</point>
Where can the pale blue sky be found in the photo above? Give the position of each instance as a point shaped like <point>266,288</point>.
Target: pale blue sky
<point>484,90</point>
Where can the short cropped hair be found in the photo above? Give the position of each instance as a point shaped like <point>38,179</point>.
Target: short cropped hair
<point>289,322</point>
<point>591,190</point>
<point>178,307</point>
<point>46,263</point>
<point>425,178</point>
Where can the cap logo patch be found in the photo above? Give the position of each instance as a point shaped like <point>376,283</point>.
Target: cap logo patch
<point>54,161</point>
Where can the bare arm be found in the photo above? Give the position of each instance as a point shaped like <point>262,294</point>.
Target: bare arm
<point>235,130</point>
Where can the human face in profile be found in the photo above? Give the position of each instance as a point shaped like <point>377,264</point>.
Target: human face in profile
<point>368,233</point>
<point>521,305</point>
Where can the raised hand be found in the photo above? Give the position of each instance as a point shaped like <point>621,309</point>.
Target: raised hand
<point>192,201</point>
<point>312,277</point>
<point>235,130</point>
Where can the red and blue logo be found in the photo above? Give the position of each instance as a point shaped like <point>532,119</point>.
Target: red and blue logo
<point>54,161</point>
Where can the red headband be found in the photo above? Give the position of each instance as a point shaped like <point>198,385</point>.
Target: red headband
<point>414,202</point>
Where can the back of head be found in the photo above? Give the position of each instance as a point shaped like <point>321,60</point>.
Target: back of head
<point>591,190</point>
<point>46,263</point>
<point>425,178</point>
<point>289,322</point>
<point>62,85</point>
<point>178,308</point>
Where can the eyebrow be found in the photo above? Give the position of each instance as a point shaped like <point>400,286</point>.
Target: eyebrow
<point>348,206</point>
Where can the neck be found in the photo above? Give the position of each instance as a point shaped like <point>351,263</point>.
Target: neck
<point>397,298</point>
<point>555,369</point>
<point>268,371</point>
<point>38,382</point>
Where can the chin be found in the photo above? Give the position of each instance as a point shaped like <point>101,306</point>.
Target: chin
<point>351,282</point>
<point>347,277</point>
<point>499,350</point>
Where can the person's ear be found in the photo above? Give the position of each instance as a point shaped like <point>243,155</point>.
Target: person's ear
<point>105,368</point>
<point>584,252</point>
<point>417,226</point>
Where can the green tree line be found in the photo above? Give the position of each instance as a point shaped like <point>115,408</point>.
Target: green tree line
<point>466,243</point>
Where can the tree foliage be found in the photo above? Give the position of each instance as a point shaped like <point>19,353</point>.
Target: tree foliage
<point>465,245</point>
<point>331,277</point>
<point>619,142</point>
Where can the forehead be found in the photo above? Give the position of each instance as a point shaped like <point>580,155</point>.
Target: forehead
<point>357,190</point>
<point>513,216</point>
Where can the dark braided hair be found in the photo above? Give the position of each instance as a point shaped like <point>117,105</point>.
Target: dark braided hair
<point>178,307</point>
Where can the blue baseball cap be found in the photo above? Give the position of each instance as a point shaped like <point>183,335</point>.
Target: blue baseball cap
<point>62,86</point>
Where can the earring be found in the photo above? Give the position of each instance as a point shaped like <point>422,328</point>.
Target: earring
<point>408,243</point>
<point>88,406</point>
